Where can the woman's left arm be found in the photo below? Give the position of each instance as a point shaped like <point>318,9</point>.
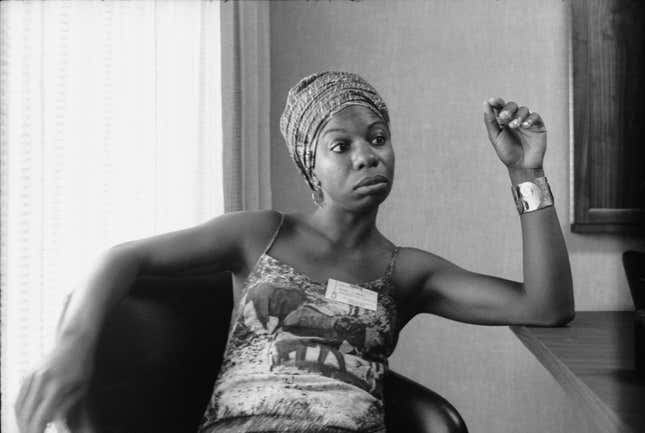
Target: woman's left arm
<point>546,295</point>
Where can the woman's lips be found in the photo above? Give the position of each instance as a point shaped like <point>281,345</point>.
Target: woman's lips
<point>375,187</point>
<point>370,184</point>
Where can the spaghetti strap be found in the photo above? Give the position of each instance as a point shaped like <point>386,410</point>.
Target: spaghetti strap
<point>390,266</point>
<point>275,234</point>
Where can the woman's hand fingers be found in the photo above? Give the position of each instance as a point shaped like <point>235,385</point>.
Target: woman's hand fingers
<point>42,401</point>
<point>29,403</point>
<point>42,413</point>
<point>25,386</point>
<point>49,391</point>
<point>40,389</point>
<point>497,103</point>
<point>54,405</point>
<point>507,113</point>
<point>534,120</point>
<point>520,115</point>
<point>498,114</point>
<point>490,119</point>
<point>19,404</point>
<point>517,135</point>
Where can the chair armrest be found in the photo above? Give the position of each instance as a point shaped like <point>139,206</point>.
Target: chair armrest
<point>634,265</point>
<point>411,407</point>
<point>158,355</point>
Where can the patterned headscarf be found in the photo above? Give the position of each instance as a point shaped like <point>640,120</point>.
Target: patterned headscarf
<point>312,102</point>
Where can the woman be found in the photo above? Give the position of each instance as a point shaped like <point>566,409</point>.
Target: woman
<point>321,297</point>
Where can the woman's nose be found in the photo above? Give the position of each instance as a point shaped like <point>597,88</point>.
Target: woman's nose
<point>364,156</point>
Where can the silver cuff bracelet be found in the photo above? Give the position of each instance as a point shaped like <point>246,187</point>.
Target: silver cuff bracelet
<point>533,195</point>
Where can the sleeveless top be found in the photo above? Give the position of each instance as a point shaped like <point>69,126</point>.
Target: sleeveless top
<point>296,361</point>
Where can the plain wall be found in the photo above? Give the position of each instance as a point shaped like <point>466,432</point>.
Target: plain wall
<point>434,63</point>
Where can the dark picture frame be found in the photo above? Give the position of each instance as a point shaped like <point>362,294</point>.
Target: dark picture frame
<point>608,66</point>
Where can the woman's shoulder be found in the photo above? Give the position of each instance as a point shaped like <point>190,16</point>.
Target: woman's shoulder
<point>254,230</point>
<point>255,217</point>
<point>255,225</point>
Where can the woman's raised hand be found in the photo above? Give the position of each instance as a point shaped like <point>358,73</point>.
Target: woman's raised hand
<point>517,134</point>
<point>49,392</point>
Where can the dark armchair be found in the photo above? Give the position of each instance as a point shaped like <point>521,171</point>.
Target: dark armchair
<point>160,351</point>
<point>634,264</point>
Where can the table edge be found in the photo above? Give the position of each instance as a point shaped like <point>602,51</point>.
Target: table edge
<point>583,396</point>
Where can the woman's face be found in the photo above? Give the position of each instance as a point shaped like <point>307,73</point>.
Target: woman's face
<point>355,159</point>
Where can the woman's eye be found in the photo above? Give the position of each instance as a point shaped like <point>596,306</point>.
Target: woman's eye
<point>380,139</point>
<point>339,147</point>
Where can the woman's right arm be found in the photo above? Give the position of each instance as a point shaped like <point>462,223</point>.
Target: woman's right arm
<point>217,243</point>
<point>61,380</point>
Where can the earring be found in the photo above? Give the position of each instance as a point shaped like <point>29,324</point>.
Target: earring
<point>317,194</point>
<point>317,197</point>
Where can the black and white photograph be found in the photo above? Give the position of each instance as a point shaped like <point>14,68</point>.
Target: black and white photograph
<point>322,216</point>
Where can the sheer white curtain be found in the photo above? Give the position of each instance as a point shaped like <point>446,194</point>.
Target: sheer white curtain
<point>110,131</point>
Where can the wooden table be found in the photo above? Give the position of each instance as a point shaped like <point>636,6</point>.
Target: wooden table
<point>593,359</point>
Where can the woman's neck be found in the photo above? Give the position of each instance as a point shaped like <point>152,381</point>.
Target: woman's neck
<point>344,228</point>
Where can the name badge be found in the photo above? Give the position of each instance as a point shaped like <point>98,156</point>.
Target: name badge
<point>351,294</point>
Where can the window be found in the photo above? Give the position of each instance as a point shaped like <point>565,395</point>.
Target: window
<point>111,131</point>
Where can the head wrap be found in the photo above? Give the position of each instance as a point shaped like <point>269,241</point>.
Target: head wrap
<point>312,102</point>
